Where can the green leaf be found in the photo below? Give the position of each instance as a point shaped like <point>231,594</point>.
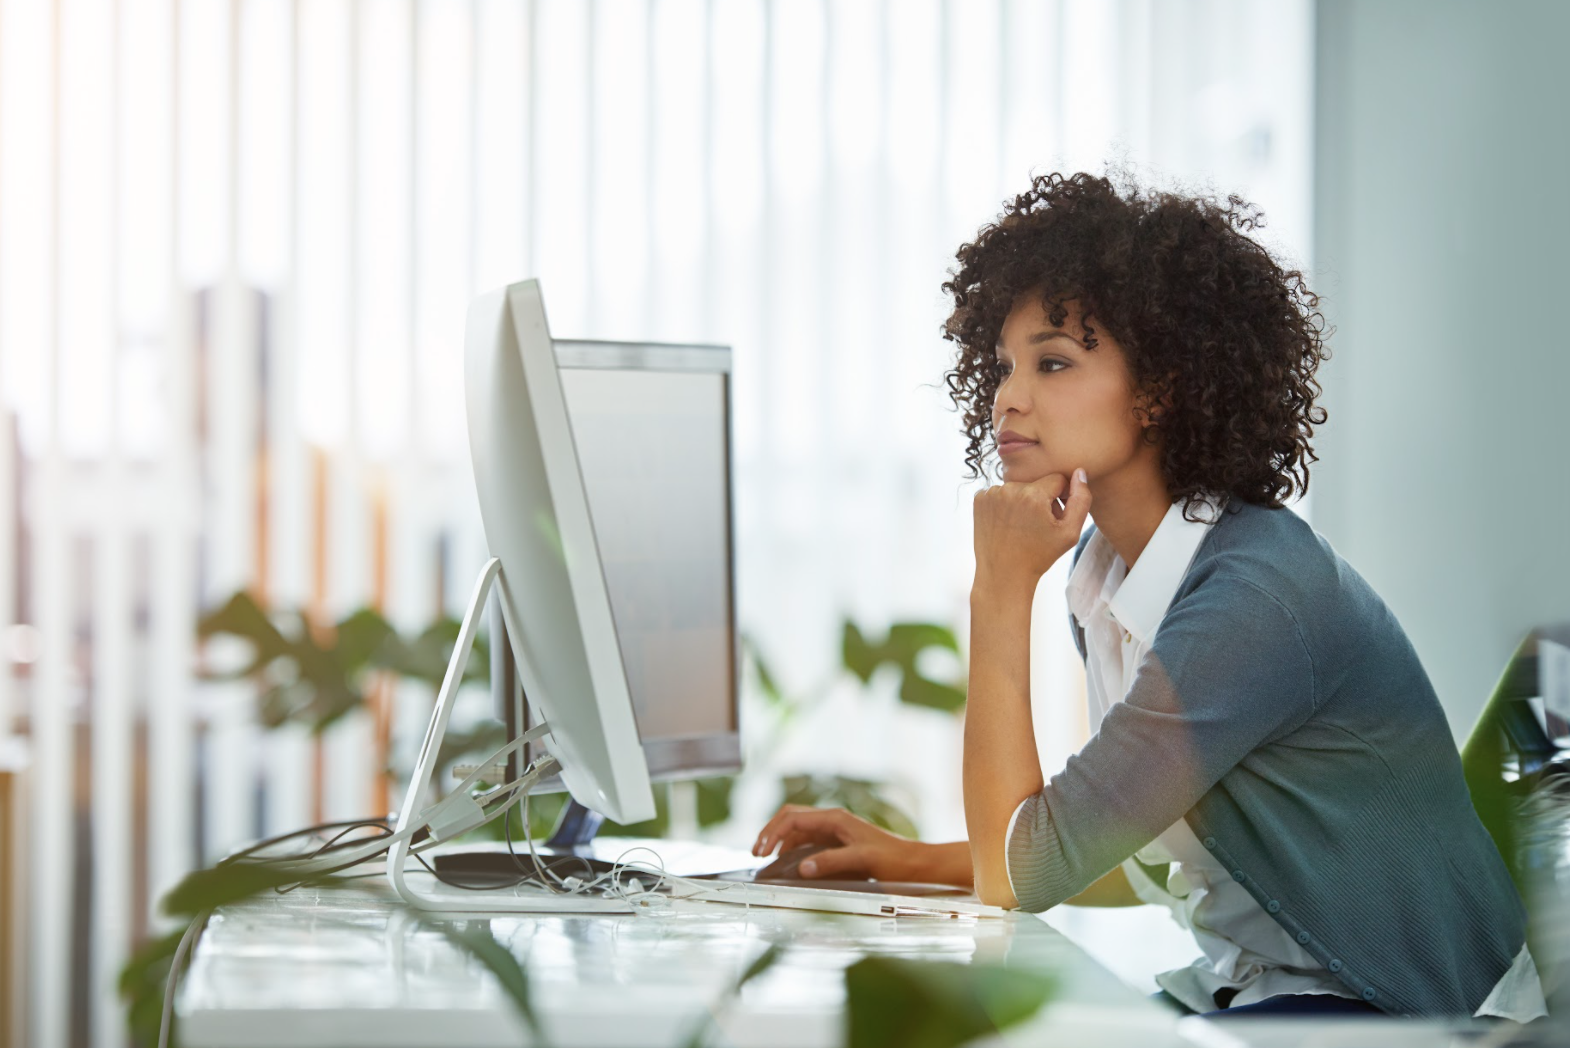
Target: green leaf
<point>866,799</point>
<point>332,689</point>
<point>357,638</point>
<point>141,985</point>
<point>241,616</point>
<point>476,940</point>
<point>544,812</point>
<point>892,1001</point>
<point>281,703</point>
<point>762,963</point>
<point>766,960</point>
<point>902,648</point>
<point>426,657</point>
<point>916,690</point>
<point>766,678</point>
<point>714,799</point>
<point>859,657</point>
<point>857,796</point>
<point>215,886</point>
<point>334,698</point>
<point>658,826</point>
<point>909,639</point>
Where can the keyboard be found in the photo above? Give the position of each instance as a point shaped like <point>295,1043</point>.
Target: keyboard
<point>496,869</point>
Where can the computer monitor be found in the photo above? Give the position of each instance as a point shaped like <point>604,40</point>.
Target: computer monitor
<point>636,482</point>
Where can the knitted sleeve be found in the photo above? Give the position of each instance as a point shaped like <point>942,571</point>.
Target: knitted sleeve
<point>1228,672</point>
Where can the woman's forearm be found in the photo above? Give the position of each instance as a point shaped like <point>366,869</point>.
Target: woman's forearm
<point>943,864</point>
<point>1001,764</point>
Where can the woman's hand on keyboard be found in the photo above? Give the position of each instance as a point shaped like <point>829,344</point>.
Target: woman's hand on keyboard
<point>854,848</point>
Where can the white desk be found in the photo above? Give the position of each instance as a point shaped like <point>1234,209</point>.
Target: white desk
<point>349,964</point>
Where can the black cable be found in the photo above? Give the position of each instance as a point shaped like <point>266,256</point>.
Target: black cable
<point>344,824</point>
<point>332,842</point>
<point>322,876</point>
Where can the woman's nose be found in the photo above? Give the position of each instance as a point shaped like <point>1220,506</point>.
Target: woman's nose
<point>1005,398</point>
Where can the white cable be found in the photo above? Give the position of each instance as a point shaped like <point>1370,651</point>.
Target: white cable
<point>519,790</point>
<point>377,845</point>
<point>515,791</point>
<point>192,930</point>
<point>538,731</point>
<point>612,879</point>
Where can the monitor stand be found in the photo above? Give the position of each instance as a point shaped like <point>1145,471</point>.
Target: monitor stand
<point>576,828</point>
<point>576,825</point>
<point>517,900</point>
<point>491,865</point>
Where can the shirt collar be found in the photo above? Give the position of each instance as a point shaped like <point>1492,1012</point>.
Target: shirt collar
<point>1139,599</point>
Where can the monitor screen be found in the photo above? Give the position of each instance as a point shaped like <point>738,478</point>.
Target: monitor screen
<point>652,446</point>
<point>651,436</point>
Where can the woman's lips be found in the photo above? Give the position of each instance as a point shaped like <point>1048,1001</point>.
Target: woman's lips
<point>1007,447</point>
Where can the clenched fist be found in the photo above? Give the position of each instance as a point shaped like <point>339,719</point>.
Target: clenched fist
<point>1022,529</point>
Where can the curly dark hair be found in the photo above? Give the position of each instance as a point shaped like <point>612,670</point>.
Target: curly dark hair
<point>1211,325</point>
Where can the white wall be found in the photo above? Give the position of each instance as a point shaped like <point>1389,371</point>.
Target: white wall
<point>1441,240</point>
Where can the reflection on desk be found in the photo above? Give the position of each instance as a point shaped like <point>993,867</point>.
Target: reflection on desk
<point>349,964</point>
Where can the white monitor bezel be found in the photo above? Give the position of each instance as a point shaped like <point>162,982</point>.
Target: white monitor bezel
<point>552,590</point>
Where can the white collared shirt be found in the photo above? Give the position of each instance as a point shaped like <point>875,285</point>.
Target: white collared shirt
<point>1245,950</point>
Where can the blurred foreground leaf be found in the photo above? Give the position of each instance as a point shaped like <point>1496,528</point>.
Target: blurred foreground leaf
<point>141,985</point>
<point>764,961</point>
<point>215,886</point>
<point>476,940</point>
<point>892,1002</point>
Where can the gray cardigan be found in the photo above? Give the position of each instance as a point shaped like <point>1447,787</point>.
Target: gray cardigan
<point>1283,713</point>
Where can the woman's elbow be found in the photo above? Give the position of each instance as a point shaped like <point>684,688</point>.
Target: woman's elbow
<point>994,892</point>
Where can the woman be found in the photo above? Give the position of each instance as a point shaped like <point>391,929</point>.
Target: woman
<point>1267,759</point>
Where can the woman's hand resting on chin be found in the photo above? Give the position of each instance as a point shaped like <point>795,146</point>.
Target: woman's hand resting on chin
<point>1021,531</point>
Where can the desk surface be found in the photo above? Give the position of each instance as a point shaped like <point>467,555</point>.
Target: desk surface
<point>350,964</point>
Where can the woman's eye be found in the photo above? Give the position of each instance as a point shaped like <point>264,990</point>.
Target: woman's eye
<point>1049,365</point>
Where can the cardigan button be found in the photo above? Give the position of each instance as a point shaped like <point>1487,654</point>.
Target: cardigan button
<point>1210,842</point>
<point>1239,876</point>
<point>1303,937</point>
<point>1335,966</point>
<point>1369,994</point>
<point>1273,906</point>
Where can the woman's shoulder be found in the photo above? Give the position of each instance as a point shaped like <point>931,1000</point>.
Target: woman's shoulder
<point>1277,552</point>
<point>1274,549</point>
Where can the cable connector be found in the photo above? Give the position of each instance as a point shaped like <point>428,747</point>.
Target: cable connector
<point>454,814</point>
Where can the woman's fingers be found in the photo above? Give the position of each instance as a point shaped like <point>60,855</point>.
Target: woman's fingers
<point>770,834</point>
<point>851,861</point>
<point>795,838</point>
<point>1076,502</point>
<point>812,824</point>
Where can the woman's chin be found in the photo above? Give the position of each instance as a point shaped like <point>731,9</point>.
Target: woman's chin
<point>1020,473</point>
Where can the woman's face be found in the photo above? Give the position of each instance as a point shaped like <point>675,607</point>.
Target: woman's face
<point>1060,406</point>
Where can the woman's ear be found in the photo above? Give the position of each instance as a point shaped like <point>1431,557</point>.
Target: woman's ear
<point>1152,403</point>
<point>1150,409</point>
